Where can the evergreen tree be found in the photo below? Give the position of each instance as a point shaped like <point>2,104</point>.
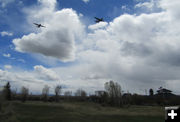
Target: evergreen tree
<point>7,91</point>
<point>151,92</point>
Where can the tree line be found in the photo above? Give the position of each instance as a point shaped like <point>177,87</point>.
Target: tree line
<point>111,96</point>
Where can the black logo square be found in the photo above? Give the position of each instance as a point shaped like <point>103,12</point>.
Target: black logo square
<point>172,114</point>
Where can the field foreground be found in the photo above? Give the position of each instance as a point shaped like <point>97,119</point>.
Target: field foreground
<point>83,112</point>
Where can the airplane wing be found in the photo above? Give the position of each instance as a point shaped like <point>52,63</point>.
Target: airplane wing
<point>36,24</point>
<point>96,18</point>
<point>43,26</point>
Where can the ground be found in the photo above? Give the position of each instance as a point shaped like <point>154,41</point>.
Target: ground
<point>83,112</point>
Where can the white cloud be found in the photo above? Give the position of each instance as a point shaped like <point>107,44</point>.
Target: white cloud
<point>7,55</point>
<point>171,7</point>
<point>150,5</point>
<point>81,15</point>
<point>138,51</point>
<point>145,4</point>
<point>86,1</point>
<point>34,80</point>
<point>57,40</point>
<point>7,66</point>
<point>5,33</point>
<point>98,25</point>
<point>124,7</point>
<point>45,73</point>
<point>13,58</point>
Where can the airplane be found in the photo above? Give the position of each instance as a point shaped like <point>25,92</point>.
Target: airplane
<point>38,25</point>
<point>98,20</point>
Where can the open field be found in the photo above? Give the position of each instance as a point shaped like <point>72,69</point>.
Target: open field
<point>84,112</point>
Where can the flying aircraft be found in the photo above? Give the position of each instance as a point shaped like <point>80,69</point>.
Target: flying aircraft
<point>38,25</point>
<point>98,20</point>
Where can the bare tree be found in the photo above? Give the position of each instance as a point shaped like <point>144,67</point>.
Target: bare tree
<point>45,92</point>
<point>57,92</point>
<point>80,93</point>
<point>68,93</point>
<point>24,93</point>
<point>13,93</point>
<point>114,92</point>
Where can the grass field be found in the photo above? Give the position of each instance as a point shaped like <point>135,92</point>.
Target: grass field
<point>83,112</point>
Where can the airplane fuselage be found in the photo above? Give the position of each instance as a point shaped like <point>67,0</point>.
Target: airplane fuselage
<point>98,20</point>
<point>38,25</point>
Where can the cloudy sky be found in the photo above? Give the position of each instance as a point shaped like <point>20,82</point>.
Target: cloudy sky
<point>137,46</point>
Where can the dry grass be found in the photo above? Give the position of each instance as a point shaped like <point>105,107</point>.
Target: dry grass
<point>85,112</point>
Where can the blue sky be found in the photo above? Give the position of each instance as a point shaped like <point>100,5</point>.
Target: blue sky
<point>14,21</point>
<point>136,45</point>
<point>100,8</point>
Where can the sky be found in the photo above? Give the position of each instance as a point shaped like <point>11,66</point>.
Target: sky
<point>137,45</point>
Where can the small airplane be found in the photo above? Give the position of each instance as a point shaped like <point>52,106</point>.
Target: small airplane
<point>98,20</point>
<point>38,25</point>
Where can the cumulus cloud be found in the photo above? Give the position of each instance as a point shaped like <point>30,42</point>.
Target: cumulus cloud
<point>34,80</point>
<point>138,51</point>
<point>171,7</point>
<point>57,40</point>
<point>5,33</point>
<point>98,25</point>
<point>45,73</point>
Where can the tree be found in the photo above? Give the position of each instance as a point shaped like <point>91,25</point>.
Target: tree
<point>114,93</point>
<point>80,93</point>
<point>151,92</point>
<point>68,93</point>
<point>57,92</point>
<point>7,91</point>
<point>24,93</point>
<point>13,93</point>
<point>1,101</point>
<point>6,109</point>
<point>45,92</point>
